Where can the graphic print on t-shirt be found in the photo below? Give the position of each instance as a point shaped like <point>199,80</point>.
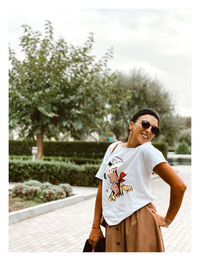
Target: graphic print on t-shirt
<point>116,182</point>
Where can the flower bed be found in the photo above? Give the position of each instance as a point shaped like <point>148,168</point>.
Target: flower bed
<point>33,192</point>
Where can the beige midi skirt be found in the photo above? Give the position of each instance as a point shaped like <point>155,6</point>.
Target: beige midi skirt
<point>137,233</point>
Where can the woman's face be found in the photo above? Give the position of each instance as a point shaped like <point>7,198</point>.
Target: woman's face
<point>138,134</point>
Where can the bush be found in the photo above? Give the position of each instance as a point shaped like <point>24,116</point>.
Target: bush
<point>53,172</point>
<point>29,192</point>
<point>41,192</point>
<point>67,188</point>
<point>17,147</point>
<point>92,150</point>
<point>161,146</point>
<point>59,148</point>
<point>34,183</point>
<point>182,148</point>
<point>185,135</point>
<point>17,190</point>
<point>171,149</point>
<point>79,161</point>
<point>57,172</point>
<point>45,185</point>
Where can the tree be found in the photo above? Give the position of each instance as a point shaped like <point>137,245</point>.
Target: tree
<point>57,84</point>
<point>136,91</point>
<point>179,129</point>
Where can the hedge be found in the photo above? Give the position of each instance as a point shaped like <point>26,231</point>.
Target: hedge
<point>79,161</point>
<point>53,172</point>
<point>71,149</point>
<point>57,172</point>
<point>183,148</point>
<point>60,148</point>
<point>162,146</point>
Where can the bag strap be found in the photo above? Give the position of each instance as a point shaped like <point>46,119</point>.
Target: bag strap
<point>116,146</point>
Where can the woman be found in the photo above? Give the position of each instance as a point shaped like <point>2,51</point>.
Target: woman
<point>124,197</point>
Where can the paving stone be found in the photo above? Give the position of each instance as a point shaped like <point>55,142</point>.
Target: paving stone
<point>67,228</point>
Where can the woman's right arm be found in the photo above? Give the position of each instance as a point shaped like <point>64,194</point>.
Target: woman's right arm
<point>96,232</point>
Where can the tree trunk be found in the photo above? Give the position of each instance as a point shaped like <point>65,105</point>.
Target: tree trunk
<point>40,144</point>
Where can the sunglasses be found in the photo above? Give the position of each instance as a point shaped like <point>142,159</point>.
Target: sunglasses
<point>146,125</point>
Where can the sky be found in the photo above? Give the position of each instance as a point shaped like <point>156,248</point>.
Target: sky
<point>158,40</point>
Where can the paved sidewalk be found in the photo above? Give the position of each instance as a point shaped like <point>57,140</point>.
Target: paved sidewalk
<point>178,236</point>
<point>66,229</point>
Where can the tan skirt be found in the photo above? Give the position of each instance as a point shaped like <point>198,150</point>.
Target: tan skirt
<point>137,233</point>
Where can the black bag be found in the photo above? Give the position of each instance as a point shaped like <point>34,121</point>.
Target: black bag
<point>100,246</point>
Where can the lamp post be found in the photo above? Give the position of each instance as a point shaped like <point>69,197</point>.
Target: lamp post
<point>34,152</point>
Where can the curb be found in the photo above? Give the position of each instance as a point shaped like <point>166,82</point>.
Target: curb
<point>19,215</point>
<point>23,214</point>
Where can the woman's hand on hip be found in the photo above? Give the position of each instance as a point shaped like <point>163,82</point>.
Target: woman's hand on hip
<point>159,218</point>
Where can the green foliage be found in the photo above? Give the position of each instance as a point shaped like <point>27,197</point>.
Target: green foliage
<point>161,146</point>
<point>74,150</point>
<point>65,149</point>
<point>57,84</point>
<point>136,91</point>
<point>41,192</point>
<point>173,127</point>
<point>79,161</point>
<point>57,172</point>
<point>34,183</point>
<point>183,148</point>
<point>20,147</point>
<point>185,135</point>
<point>53,172</point>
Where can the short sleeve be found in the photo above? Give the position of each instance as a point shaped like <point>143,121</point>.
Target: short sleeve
<point>104,163</point>
<point>153,157</point>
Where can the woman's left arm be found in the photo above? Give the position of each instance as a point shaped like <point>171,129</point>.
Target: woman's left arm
<point>177,189</point>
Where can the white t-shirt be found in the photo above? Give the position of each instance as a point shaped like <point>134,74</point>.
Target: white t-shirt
<point>126,180</point>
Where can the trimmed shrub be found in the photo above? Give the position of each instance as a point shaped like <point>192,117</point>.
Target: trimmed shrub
<point>59,192</point>
<point>182,148</point>
<point>57,172</point>
<point>45,185</point>
<point>30,192</point>
<point>24,147</point>
<point>67,188</point>
<point>40,192</point>
<point>185,135</point>
<point>92,150</point>
<point>49,195</point>
<point>161,146</point>
<point>59,148</point>
<point>53,172</point>
<point>17,190</point>
<point>79,161</point>
<point>34,183</point>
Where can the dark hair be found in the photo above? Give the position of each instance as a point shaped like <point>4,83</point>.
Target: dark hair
<point>143,112</point>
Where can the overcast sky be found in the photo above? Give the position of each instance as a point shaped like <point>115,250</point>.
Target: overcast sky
<point>157,40</point>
